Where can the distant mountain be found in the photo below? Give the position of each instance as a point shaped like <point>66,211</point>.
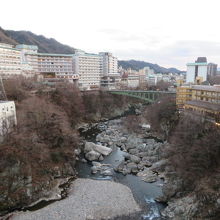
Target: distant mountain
<point>45,45</point>
<point>137,65</point>
<point>5,38</point>
<point>50,45</point>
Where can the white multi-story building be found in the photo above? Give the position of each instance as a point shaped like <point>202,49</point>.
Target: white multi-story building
<point>10,61</point>
<point>86,68</point>
<point>89,68</point>
<point>29,57</point>
<point>7,117</point>
<point>53,67</point>
<point>57,67</point>
<point>109,63</point>
<point>197,72</point>
<point>110,75</point>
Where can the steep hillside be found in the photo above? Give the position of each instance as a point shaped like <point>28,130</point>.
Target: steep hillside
<point>136,65</point>
<point>4,38</point>
<point>45,45</point>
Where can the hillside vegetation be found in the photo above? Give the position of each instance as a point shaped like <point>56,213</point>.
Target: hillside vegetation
<point>41,149</point>
<point>193,168</point>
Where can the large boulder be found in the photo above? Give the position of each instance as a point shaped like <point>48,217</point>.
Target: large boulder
<point>135,159</point>
<point>133,167</point>
<point>102,149</point>
<point>92,155</point>
<point>89,146</point>
<point>133,151</point>
<point>147,176</point>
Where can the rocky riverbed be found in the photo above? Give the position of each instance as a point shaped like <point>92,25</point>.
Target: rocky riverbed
<point>141,157</point>
<point>88,200</point>
<point>112,153</point>
<point>134,159</point>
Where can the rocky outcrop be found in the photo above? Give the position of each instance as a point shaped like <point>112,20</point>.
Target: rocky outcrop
<point>19,188</point>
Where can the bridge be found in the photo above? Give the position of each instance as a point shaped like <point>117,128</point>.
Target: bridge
<point>149,96</point>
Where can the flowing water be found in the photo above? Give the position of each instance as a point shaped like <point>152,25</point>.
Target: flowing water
<point>144,193</point>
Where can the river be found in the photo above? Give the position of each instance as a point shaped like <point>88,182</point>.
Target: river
<point>144,193</point>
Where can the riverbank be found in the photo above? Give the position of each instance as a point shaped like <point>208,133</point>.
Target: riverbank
<point>88,200</point>
<point>42,150</point>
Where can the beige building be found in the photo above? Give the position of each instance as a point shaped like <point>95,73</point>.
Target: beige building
<point>200,99</point>
<point>89,68</point>
<point>10,61</point>
<point>57,67</point>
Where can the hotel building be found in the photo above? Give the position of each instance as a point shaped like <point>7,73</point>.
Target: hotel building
<point>89,68</point>
<point>110,77</point>
<point>57,67</point>
<point>200,98</point>
<point>10,61</point>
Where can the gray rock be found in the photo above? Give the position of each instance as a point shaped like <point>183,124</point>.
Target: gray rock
<point>123,139</point>
<point>94,163</point>
<point>77,151</point>
<point>133,167</point>
<point>147,176</point>
<point>135,159</point>
<point>183,208</point>
<point>84,160</point>
<point>92,155</point>
<point>159,166</point>
<point>120,167</point>
<point>146,162</point>
<point>134,151</point>
<point>108,172</point>
<point>127,156</point>
<point>94,169</point>
<point>89,146</point>
<point>101,158</point>
<point>146,127</point>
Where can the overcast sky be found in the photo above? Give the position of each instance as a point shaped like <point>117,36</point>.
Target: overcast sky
<point>167,32</point>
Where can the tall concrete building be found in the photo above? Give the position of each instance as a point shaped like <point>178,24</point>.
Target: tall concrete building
<point>10,61</point>
<point>53,67</point>
<point>197,72</point>
<point>109,63</point>
<point>57,67</point>
<point>89,68</point>
<point>212,69</point>
<point>110,76</point>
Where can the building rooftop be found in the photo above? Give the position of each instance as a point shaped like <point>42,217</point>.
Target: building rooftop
<point>207,88</point>
<point>197,64</point>
<point>51,54</point>
<point>2,101</point>
<point>29,47</point>
<point>206,105</point>
<point>201,60</point>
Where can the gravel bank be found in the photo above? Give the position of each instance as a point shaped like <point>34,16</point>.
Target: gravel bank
<point>88,199</point>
